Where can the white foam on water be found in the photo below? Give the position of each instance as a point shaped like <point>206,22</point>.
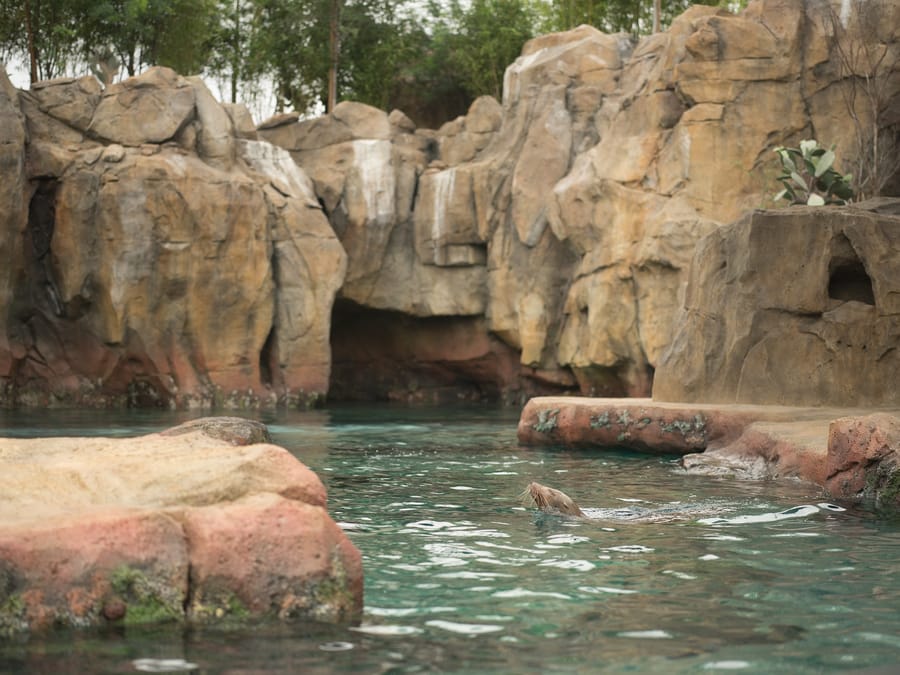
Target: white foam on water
<point>474,575</point>
<point>163,665</point>
<point>606,589</point>
<point>726,665</point>
<point>464,628</point>
<point>631,548</point>
<point>646,634</point>
<point>525,593</point>
<point>797,534</point>
<point>386,630</point>
<point>580,565</point>
<point>566,539</point>
<point>802,511</point>
<point>336,646</point>
<point>392,611</point>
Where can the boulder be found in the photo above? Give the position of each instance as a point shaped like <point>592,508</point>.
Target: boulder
<point>149,108</point>
<point>796,306</point>
<point>70,100</point>
<point>863,459</point>
<point>202,522</point>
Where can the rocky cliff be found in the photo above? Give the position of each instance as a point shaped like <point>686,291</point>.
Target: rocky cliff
<point>154,256</point>
<point>164,250</point>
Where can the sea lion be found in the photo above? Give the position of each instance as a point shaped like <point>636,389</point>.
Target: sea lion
<point>550,500</point>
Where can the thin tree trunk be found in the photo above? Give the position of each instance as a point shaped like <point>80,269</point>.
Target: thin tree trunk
<point>32,50</point>
<point>334,52</point>
<point>236,60</point>
<point>657,9</point>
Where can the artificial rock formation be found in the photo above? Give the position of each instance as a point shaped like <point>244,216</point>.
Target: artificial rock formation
<point>853,455</point>
<point>568,215</point>
<point>202,522</point>
<point>550,234</point>
<point>165,258</point>
<point>791,307</point>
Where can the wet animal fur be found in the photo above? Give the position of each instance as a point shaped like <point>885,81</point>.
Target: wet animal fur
<point>551,501</point>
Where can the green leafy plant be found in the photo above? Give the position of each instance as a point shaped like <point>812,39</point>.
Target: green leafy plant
<point>809,176</point>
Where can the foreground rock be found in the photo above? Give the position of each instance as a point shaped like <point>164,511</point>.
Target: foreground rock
<point>202,522</point>
<point>855,456</point>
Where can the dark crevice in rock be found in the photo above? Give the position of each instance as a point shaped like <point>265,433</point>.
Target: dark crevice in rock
<point>268,359</point>
<point>41,224</point>
<point>847,276</point>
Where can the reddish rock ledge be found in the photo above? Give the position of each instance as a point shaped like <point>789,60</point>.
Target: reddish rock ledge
<point>853,454</point>
<point>207,521</point>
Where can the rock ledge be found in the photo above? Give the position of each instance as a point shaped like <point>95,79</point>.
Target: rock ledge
<point>853,454</point>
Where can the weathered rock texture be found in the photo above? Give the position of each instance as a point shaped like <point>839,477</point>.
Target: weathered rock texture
<point>795,307</point>
<point>568,215</point>
<point>206,521</point>
<point>855,456</point>
<point>170,256</point>
<point>165,257</point>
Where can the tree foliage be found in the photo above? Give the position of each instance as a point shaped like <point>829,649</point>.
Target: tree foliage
<point>412,53</point>
<point>44,33</point>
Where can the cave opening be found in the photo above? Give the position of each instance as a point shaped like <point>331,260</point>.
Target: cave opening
<point>847,277</point>
<point>386,355</point>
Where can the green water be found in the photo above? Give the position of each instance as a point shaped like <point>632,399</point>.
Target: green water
<point>461,578</point>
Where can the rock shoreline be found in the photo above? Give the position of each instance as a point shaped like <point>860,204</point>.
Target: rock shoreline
<point>207,521</point>
<point>853,454</point>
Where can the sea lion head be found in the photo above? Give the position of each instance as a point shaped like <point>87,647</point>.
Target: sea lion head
<point>550,500</point>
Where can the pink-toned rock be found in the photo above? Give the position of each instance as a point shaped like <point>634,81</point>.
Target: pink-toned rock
<point>74,569</point>
<point>640,424</point>
<point>863,459</point>
<point>311,570</point>
<point>854,457</point>
<point>198,522</point>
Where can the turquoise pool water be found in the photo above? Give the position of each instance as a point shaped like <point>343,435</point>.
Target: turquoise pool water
<point>678,574</point>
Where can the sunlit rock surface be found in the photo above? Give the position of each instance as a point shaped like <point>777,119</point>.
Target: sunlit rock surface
<point>567,215</point>
<point>206,521</point>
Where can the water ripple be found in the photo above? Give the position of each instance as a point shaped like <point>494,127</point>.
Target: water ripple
<point>386,629</point>
<point>464,628</point>
<point>525,593</point>
<point>580,565</point>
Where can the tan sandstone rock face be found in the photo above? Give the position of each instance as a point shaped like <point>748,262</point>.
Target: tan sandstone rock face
<point>14,209</point>
<point>166,262</point>
<point>796,306</point>
<point>559,223</point>
<point>567,215</point>
<point>201,522</point>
